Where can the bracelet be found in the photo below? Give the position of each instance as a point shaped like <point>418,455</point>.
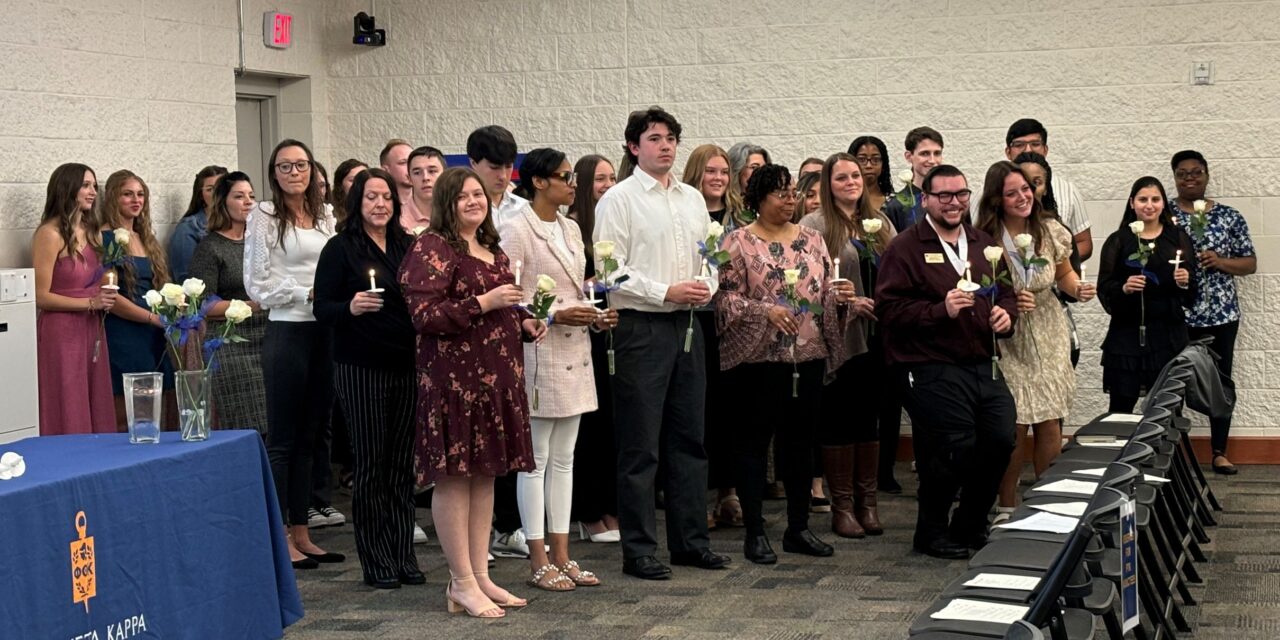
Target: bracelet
<point>90,305</point>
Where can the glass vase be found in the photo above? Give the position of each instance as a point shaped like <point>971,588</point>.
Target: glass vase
<point>193,404</point>
<point>143,406</point>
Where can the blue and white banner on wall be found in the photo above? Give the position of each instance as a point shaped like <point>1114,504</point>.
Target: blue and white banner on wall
<point>1129,565</point>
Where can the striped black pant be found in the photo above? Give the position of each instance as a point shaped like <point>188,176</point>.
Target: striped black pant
<point>379,408</point>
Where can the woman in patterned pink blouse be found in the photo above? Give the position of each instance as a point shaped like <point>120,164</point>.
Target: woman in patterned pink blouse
<point>473,418</point>
<point>781,321</point>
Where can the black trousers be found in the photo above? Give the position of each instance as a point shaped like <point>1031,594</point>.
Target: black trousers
<point>595,462</point>
<point>790,422</point>
<point>719,424</point>
<point>962,429</point>
<point>297,375</point>
<point>1224,344</point>
<point>506,510</point>
<point>659,394</point>
<point>851,404</point>
<point>379,408</point>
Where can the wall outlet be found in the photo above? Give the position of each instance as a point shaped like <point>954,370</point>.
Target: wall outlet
<point>1201,73</point>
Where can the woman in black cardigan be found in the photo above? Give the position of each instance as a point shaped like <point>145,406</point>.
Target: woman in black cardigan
<point>1145,302</point>
<point>357,294</point>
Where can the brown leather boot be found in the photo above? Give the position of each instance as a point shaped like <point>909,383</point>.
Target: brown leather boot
<point>837,462</point>
<point>866,466</point>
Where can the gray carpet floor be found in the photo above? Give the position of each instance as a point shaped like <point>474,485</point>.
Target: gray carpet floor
<point>871,588</point>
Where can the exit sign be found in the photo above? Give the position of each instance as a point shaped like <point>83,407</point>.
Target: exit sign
<point>277,29</point>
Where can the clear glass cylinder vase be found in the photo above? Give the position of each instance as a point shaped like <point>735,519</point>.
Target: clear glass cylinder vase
<point>194,405</point>
<point>143,406</point>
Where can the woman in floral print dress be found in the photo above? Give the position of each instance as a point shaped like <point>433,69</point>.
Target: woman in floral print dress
<point>473,417</point>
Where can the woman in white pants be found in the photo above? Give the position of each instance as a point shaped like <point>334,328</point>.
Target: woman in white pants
<point>558,372</point>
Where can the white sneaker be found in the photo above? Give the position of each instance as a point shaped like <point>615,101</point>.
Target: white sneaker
<point>419,536</point>
<point>510,545</point>
<point>315,519</point>
<point>333,517</point>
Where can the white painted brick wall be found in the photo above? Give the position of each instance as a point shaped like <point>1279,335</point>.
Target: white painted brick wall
<point>148,85</point>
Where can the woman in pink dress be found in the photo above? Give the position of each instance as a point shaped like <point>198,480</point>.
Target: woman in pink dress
<point>74,372</point>
<point>473,415</point>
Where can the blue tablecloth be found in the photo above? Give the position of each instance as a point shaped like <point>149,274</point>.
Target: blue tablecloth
<point>187,540</point>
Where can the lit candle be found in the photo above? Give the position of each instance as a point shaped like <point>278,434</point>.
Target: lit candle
<point>968,275</point>
<point>1177,258</point>
<point>706,270</point>
<point>372,283</point>
<point>519,264</point>
<point>591,291</point>
<point>111,278</point>
<point>836,269</point>
<point>1082,270</point>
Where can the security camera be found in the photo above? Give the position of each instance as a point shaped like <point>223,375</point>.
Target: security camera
<point>366,33</point>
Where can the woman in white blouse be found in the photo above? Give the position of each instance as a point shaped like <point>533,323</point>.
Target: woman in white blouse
<point>283,239</point>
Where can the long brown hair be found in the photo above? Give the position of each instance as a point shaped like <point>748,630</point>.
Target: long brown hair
<point>219,217</point>
<point>197,189</point>
<point>696,166</point>
<point>338,195</point>
<point>114,218</point>
<point>838,228</point>
<point>60,207</point>
<point>444,211</point>
<point>991,206</point>
<point>312,203</point>
<point>583,208</point>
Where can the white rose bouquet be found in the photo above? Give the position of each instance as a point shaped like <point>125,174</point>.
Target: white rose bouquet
<point>712,256</point>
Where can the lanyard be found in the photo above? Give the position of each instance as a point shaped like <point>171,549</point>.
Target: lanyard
<point>952,256</point>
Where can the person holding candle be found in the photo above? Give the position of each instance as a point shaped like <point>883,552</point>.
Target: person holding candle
<point>856,235</point>
<point>75,386</point>
<point>473,414</point>
<point>1146,303</point>
<point>764,345</point>
<point>1036,360</point>
<point>1224,250</point>
<point>357,295</point>
<point>548,243</point>
<point>940,337</point>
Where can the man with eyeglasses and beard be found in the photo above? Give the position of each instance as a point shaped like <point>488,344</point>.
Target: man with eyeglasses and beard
<point>941,332</point>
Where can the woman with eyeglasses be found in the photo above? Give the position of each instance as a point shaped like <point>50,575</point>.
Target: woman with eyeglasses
<point>283,241</point>
<point>558,372</point>
<point>781,320</point>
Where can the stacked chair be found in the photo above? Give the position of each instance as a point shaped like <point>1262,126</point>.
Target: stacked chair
<point>1145,458</point>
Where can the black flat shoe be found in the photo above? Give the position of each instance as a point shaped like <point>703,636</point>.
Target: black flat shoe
<point>305,563</point>
<point>702,559</point>
<point>758,550</point>
<point>412,577</point>
<point>646,568</point>
<point>943,548</point>
<point>383,583</point>
<point>327,557</point>
<point>803,541</point>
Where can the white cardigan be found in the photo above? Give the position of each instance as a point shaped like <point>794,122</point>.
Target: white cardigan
<point>279,276</point>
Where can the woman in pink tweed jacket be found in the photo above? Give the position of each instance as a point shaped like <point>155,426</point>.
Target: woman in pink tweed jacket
<point>542,242</point>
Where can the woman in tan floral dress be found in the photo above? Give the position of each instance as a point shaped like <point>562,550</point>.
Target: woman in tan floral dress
<point>473,418</point>
<point>1036,361</point>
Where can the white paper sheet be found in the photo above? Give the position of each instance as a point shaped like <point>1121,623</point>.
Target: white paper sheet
<point>1068,485</point>
<point>979,611</point>
<point>1115,444</point>
<point>1042,521</point>
<point>1096,473</point>
<point>1003,581</point>
<point>1073,509</point>
<point>1130,418</point>
<point>1150,478</point>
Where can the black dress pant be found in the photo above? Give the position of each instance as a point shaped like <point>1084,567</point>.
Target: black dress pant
<point>297,375</point>
<point>1224,344</point>
<point>790,422</point>
<point>506,510</point>
<point>659,394</point>
<point>962,429</point>
<point>852,403</point>
<point>379,408</point>
<point>719,421</point>
<point>595,462</point>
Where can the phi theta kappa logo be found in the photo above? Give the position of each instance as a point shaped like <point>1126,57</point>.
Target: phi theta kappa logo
<point>84,579</point>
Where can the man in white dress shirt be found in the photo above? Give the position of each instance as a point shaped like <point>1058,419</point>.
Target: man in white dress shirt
<point>659,390</point>
<point>492,151</point>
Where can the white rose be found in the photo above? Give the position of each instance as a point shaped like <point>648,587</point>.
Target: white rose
<point>1151,246</point>
<point>993,253</point>
<point>12,465</point>
<point>122,236</point>
<point>714,229</point>
<point>603,249</point>
<point>791,276</point>
<point>906,177</point>
<point>1137,226</point>
<point>545,283</point>
<point>238,311</point>
<point>419,230</point>
<point>872,225</point>
<point>1022,240</point>
<point>1199,206</point>
<point>173,294</point>
<point>193,286</point>
<point>153,298</point>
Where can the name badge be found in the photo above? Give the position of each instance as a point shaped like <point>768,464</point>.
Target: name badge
<point>934,258</point>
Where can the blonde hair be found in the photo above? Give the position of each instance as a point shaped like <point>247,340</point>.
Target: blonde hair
<point>696,166</point>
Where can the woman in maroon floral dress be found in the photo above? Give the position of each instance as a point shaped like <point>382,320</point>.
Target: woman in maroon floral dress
<point>473,418</point>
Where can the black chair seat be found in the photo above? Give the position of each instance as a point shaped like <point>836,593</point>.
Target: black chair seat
<point>1080,625</point>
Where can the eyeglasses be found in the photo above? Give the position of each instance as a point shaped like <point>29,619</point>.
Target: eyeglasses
<point>785,195</point>
<point>1020,145</point>
<point>568,177</point>
<point>947,197</point>
<point>869,160</point>
<point>1194,174</point>
<point>300,166</point>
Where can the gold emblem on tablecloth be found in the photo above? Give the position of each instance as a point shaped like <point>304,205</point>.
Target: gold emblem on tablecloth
<point>84,570</point>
